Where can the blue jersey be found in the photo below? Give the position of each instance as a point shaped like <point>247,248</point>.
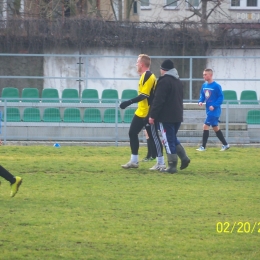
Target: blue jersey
<point>212,94</point>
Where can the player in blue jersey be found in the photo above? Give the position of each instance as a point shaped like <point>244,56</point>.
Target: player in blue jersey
<point>211,93</point>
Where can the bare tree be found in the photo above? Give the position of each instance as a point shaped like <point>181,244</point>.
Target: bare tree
<point>205,12</point>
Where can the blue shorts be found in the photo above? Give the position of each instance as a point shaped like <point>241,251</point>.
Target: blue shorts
<point>211,121</point>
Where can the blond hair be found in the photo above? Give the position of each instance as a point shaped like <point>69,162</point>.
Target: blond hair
<point>145,59</point>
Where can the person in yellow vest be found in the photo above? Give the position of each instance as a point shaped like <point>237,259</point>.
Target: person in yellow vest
<point>147,84</point>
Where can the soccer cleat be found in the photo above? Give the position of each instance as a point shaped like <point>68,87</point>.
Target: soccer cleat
<point>158,167</point>
<point>130,165</point>
<point>225,147</point>
<point>201,149</point>
<point>15,186</point>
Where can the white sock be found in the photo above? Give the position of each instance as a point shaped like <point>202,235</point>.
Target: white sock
<point>160,160</point>
<point>134,158</point>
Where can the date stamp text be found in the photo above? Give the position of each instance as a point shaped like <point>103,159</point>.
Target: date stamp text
<point>238,227</point>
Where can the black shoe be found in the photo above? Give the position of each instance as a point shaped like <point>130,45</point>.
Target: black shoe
<point>184,164</point>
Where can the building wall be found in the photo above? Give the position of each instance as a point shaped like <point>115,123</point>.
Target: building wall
<point>156,11</point>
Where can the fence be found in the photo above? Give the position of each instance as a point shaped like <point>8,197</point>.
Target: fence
<point>106,122</point>
<point>118,72</point>
<point>71,118</point>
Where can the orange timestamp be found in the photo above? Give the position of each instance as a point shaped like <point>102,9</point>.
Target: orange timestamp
<point>238,227</point>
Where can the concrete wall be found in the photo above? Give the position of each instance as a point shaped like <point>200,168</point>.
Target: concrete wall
<point>237,68</point>
<point>121,64</point>
<point>94,67</point>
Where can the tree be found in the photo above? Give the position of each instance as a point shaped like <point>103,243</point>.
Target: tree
<point>205,11</point>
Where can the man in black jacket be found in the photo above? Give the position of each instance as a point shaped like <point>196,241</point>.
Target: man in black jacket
<point>166,113</point>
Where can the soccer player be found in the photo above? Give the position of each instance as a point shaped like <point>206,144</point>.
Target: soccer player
<point>211,92</point>
<point>14,181</point>
<point>146,88</point>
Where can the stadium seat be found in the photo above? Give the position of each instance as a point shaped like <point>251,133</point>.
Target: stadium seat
<point>110,116</point>
<point>250,96</point>
<point>109,96</point>
<point>230,95</point>
<point>31,114</point>
<point>89,96</point>
<point>128,115</point>
<point>253,117</point>
<point>70,95</point>
<point>92,115</point>
<point>30,95</point>
<point>12,93</point>
<point>12,114</point>
<point>50,95</point>
<point>129,94</point>
<point>72,115</point>
<point>51,114</point>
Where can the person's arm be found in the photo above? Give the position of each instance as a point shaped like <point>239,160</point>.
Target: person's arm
<point>137,99</point>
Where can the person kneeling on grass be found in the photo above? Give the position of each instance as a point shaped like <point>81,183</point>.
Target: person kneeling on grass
<point>15,181</point>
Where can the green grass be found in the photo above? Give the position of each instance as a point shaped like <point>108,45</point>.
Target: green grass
<point>78,203</point>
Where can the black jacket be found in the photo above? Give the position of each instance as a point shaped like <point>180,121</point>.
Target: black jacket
<point>167,105</point>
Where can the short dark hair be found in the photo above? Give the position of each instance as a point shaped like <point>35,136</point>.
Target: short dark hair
<point>209,70</point>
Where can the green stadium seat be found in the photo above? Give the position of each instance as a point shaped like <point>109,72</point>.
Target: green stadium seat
<point>92,115</point>
<point>109,96</point>
<point>110,116</point>
<point>51,114</point>
<point>70,95</point>
<point>12,114</point>
<point>128,115</point>
<point>12,93</point>
<point>31,114</point>
<point>250,96</point>
<point>89,96</point>
<point>230,95</point>
<point>72,115</point>
<point>30,95</point>
<point>129,94</point>
<point>253,117</point>
<point>50,95</point>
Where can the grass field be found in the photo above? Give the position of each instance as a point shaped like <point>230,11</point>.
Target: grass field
<point>78,203</point>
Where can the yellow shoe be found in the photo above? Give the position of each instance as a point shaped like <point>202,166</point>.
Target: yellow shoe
<point>15,186</point>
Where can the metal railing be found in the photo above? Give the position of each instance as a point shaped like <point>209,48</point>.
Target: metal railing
<point>191,73</point>
<point>113,126</point>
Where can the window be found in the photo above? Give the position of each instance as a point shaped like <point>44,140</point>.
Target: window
<point>235,2</point>
<point>135,7</point>
<point>251,3</point>
<point>145,3</point>
<point>170,4</point>
<point>245,4</point>
<point>193,3</point>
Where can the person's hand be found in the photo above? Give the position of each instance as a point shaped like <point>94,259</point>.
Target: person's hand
<point>211,108</point>
<point>125,104</point>
<point>200,104</point>
<point>151,121</point>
